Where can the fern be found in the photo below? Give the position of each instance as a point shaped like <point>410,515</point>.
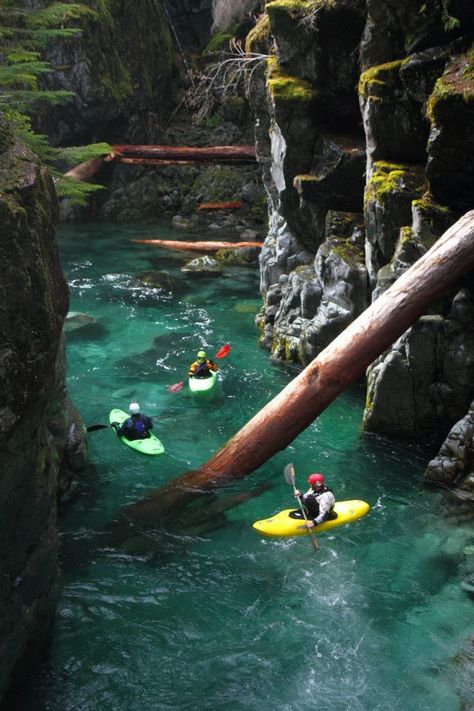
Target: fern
<point>76,191</point>
<point>24,33</point>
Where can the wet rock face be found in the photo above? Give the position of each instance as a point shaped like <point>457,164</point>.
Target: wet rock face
<point>37,439</point>
<point>122,70</point>
<point>454,464</point>
<point>398,167</point>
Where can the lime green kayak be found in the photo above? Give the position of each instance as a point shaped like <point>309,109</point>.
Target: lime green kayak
<point>203,385</point>
<point>149,445</point>
<point>290,522</point>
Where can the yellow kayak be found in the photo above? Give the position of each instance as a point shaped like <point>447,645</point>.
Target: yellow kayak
<point>290,522</point>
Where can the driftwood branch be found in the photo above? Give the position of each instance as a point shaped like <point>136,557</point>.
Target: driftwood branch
<point>341,363</point>
<point>195,246</point>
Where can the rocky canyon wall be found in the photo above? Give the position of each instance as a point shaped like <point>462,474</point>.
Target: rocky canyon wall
<point>41,435</point>
<point>365,112</point>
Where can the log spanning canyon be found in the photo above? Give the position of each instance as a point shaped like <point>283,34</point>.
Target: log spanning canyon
<point>337,366</point>
<point>165,155</point>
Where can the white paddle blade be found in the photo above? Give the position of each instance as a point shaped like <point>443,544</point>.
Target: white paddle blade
<point>289,473</point>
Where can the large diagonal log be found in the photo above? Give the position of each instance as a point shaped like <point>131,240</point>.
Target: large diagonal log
<point>195,246</point>
<point>338,365</point>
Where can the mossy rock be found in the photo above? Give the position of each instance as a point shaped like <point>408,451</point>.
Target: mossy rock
<point>394,178</point>
<point>457,82</point>
<point>380,82</point>
<point>259,38</point>
<point>155,279</point>
<point>287,89</point>
<point>450,110</point>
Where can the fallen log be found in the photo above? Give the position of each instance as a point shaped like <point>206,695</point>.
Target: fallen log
<point>219,206</point>
<point>196,246</point>
<point>339,364</point>
<point>85,171</point>
<point>194,154</point>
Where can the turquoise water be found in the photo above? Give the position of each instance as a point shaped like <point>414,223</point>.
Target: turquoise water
<point>217,617</point>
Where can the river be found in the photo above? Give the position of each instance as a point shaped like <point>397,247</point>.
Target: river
<point>221,618</point>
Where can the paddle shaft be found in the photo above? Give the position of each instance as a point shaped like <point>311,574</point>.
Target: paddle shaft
<point>290,478</point>
<point>314,542</point>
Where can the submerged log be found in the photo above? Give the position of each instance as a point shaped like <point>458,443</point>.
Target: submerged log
<point>219,206</point>
<point>336,367</point>
<point>196,246</point>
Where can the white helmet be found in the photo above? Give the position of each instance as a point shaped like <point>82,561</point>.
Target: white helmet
<point>134,408</point>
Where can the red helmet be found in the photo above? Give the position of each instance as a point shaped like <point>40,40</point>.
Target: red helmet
<point>316,480</point>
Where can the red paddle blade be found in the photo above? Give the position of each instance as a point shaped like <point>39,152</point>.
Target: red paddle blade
<point>223,351</point>
<point>174,388</point>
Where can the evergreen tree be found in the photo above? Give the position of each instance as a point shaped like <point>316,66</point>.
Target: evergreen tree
<point>24,35</point>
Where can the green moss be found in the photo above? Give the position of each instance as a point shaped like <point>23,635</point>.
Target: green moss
<point>128,45</point>
<point>298,8</point>
<point>427,205</point>
<point>456,83</point>
<point>286,88</point>
<point>348,252</point>
<point>373,82</point>
<point>217,42</point>
<point>406,234</point>
<point>259,37</point>
<point>393,178</point>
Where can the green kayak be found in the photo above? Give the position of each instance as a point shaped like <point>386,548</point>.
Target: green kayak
<point>150,445</point>
<point>203,385</point>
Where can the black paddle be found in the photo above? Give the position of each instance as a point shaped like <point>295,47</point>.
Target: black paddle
<point>289,473</point>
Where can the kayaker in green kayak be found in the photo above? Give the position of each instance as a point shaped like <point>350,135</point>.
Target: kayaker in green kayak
<point>202,367</point>
<point>318,501</point>
<point>137,426</point>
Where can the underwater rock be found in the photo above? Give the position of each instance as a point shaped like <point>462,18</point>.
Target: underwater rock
<point>202,266</point>
<point>155,279</point>
<point>82,326</point>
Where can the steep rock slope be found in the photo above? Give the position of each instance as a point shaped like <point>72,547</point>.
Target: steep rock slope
<point>41,435</point>
<point>364,114</point>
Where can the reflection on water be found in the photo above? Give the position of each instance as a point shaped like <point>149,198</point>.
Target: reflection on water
<point>220,618</point>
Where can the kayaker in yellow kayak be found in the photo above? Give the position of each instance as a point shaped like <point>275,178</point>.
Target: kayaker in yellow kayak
<point>318,501</point>
<point>201,368</point>
<point>137,426</point>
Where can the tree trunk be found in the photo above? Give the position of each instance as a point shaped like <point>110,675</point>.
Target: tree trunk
<point>213,154</point>
<point>338,365</point>
<point>85,171</point>
<point>196,246</point>
<point>219,206</point>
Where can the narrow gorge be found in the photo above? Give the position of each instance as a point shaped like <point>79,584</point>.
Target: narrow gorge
<point>361,114</point>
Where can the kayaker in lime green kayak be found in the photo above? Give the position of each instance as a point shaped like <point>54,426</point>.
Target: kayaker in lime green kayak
<point>137,426</point>
<point>318,501</point>
<point>203,367</point>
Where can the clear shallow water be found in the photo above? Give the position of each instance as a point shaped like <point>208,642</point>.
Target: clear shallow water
<point>224,619</point>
